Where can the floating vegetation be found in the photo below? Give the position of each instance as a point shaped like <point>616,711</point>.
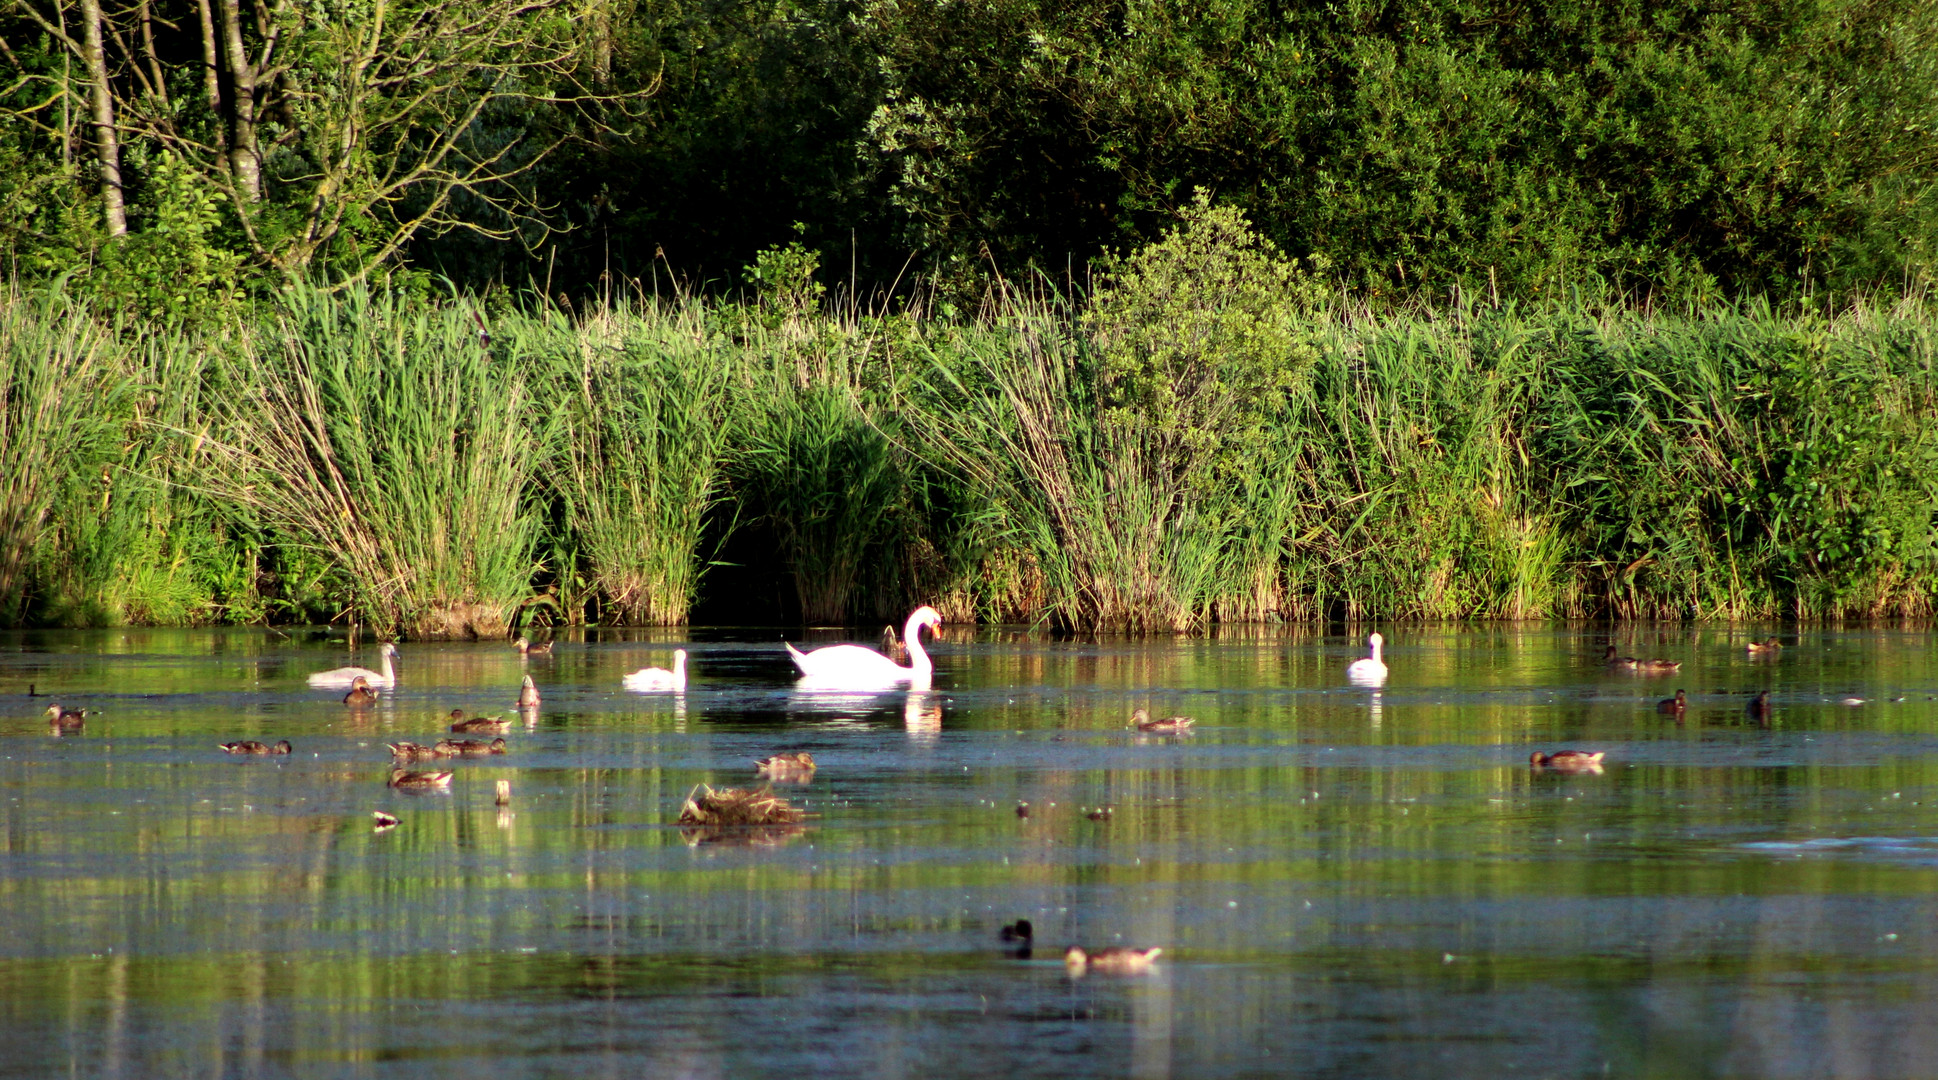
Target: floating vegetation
<point>732,807</point>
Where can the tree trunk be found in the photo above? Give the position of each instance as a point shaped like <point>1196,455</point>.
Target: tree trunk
<point>243,157</point>
<point>211,64</point>
<point>107,147</point>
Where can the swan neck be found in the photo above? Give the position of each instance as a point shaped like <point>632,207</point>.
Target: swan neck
<point>918,658</point>
<point>1377,645</point>
<point>389,675</point>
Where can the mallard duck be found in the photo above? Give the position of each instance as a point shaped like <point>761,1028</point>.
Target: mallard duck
<point>892,646</point>
<point>1673,706</point>
<point>1610,659</point>
<point>1567,761</point>
<point>528,694</point>
<point>1101,813</point>
<point>360,693</point>
<point>1170,725</point>
<point>346,676</point>
<point>1023,809</point>
<point>383,820</point>
<point>1765,647</point>
<point>1369,670</point>
<point>66,718</point>
<point>1759,707</point>
<point>796,765</point>
<point>406,778</point>
<point>1116,960</point>
<point>468,748</point>
<point>1020,936</point>
<point>526,648</point>
<point>654,679</point>
<point>410,751</point>
<point>479,725</point>
<point>1659,667</point>
<point>251,746</point>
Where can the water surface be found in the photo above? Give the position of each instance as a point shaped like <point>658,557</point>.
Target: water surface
<point>1346,882</point>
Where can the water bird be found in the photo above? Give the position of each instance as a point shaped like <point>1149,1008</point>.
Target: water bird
<point>528,694</point>
<point>1022,809</point>
<point>1766,647</point>
<point>526,648</point>
<point>347,676</point>
<point>407,778</point>
<point>503,796</point>
<point>410,751</point>
<point>892,646</point>
<point>467,748</point>
<point>1369,669</point>
<point>1630,663</point>
<point>1102,813</point>
<point>384,821</point>
<point>65,718</point>
<point>798,765</point>
<point>1020,936</point>
<point>1673,706</point>
<point>251,746</point>
<point>1851,700</point>
<point>360,693</point>
<point>1567,761</point>
<point>1170,725</point>
<point>654,679</point>
<point>857,667</point>
<point>1759,707</point>
<point>1116,960</point>
<point>478,725</point>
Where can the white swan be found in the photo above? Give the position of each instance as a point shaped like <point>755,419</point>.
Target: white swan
<point>857,667</point>
<point>345,676</point>
<point>654,678</point>
<point>1370,670</point>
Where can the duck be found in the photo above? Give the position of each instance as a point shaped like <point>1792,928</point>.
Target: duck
<point>1610,659</point>
<point>1765,647</point>
<point>1673,706</point>
<point>251,746</point>
<point>1759,707</point>
<point>857,667</point>
<point>528,694</point>
<point>796,765</point>
<point>478,725</point>
<point>1370,669</point>
<point>1170,725</point>
<point>360,693</point>
<point>1116,960</point>
<point>66,718</point>
<point>468,748</point>
<point>652,678</point>
<point>410,751</point>
<point>892,646</point>
<point>1630,663</point>
<point>1020,936</point>
<point>526,648</point>
<point>1567,761</point>
<point>347,676</point>
<point>407,778</point>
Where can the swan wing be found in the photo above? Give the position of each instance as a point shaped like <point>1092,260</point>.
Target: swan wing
<point>346,675</point>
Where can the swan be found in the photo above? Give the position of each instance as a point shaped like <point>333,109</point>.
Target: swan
<point>346,676</point>
<point>654,678</point>
<point>1368,669</point>
<point>857,667</point>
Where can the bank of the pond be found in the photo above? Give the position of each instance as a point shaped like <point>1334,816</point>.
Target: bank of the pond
<point>437,468</point>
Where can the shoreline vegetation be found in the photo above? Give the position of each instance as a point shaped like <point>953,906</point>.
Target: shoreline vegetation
<point>1206,433</point>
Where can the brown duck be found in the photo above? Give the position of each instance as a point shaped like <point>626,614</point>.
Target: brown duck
<point>65,718</point>
<point>468,748</point>
<point>1766,647</point>
<point>410,751</point>
<point>1567,761</point>
<point>478,725</point>
<point>526,648</point>
<point>251,746</point>
<point>406,778</point>
<point>1170,725</point>
<point>528,694</point>
<point>361,693</point>
<point>1673,706</point>
<point>1759,708</point>
<point>798,765</point>
<point>1116,960</point>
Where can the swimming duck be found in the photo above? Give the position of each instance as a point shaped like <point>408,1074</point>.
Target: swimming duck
<point>1170,725</point>
<point>652,678</point>
<point>478,725</point>
<point>1759,707</point>
<point>360,693</point>
<point>1116,960</point>
<point>410,751</point>
<point>526,648</point>
<point>347,676</point>
<point>892,646</point>
<point>1567,761</point>
<point>1673,706</point>
<point>1765,647</point>
<point>65,718</point>
<point>251,746</point>
<point>405,778</point>
<point>1020,936</point>
<point>528,694</point>
<point>1368,670</point>
<point>468,748</point>
<point>1610,659</point>
<point>1101,813</point>
<point>798,765</point>
<point>1630,663</point>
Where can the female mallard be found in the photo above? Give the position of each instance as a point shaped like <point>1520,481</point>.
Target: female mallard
<point>360,694</point>
<point>478,725</point>
<point>1673,706</point>
<point>1567,761</point>
<point>1170,725</point>
<point>1610,659</point>
<point>1766,647</point>
<point>1116,960</point>
<point>405,778</point>
<point>1630,663</point>
<point>528,694</point>
<point>468,748</point>
<point>526,648</point>
<point>1759,708</point>
<point>798,765</point>
<point>892,646</point>
<point>65,718</point>
<point>410,751</point>
<point>251,746</point>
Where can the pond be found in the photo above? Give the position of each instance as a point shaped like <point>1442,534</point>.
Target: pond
<point>1344,881</point>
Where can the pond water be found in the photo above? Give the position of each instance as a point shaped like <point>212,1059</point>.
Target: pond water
<point>1345,882</point>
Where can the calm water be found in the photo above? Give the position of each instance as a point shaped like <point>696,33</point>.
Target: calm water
<point>1347,883</point>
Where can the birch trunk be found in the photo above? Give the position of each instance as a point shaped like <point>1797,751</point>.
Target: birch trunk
<point>107,146</point>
